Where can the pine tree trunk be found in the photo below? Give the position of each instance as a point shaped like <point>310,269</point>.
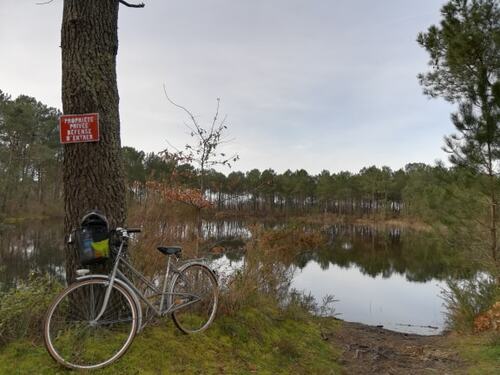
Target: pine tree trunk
<point>493,219</point>
<point>92,172</point>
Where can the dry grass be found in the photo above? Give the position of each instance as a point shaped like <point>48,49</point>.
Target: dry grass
<point>267,272</point>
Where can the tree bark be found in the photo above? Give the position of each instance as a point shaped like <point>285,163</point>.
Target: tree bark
<point>92,172</point>
<point>493,217</point>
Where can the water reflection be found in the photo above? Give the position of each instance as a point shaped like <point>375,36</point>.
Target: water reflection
<point>389,276</point>
<point>395,303</point>
<point>417,256</point>
<point>30,246</point>
<point>375,252</point>
<point>384,252</point>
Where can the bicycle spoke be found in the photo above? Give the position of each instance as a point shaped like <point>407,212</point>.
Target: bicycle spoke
<point>194,299</point>
<point>74,335</point>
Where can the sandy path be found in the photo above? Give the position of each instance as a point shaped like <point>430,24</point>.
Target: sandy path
<point>372,350</point>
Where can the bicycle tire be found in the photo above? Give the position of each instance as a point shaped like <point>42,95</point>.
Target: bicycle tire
<point>72,336</point>
<point>198,279</point>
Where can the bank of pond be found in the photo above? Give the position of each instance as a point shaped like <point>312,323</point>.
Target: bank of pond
<point>390,276</point>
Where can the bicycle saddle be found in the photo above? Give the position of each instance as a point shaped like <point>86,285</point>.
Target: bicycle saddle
<point>170,250</point>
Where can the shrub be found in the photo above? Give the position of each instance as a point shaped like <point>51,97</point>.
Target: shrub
<point>466,299</point>
<point>22,309</point>
<point>265,277</point>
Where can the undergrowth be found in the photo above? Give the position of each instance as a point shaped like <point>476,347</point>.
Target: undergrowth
<point>261,341</point>
<point>481,352</point>
<point>465,300</point>
<point>22,308</point>
<point>262,327</point>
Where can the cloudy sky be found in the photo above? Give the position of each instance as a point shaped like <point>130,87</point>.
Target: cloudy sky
<point>313,84</point>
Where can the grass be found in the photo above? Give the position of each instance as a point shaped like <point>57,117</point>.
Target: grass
<point>22,308</point>
<point>481,352</point>
<point>263,341</point>
<point>255,332</point>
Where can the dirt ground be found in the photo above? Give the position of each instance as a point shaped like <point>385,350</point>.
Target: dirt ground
<point>372,350</point>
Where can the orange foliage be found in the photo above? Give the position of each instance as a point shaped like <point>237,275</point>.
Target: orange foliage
<point>488,320</point>
<point>192,197</point>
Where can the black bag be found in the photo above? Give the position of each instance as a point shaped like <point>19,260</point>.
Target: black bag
<point>92,238</point>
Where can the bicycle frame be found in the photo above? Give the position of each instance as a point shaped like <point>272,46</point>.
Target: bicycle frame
<point>119,277</point>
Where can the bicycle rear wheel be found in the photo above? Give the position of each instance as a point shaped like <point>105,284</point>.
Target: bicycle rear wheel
<point>73,337</point>
<point>194,297</point>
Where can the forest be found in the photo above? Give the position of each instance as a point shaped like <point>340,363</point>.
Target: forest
<point>31,178</point>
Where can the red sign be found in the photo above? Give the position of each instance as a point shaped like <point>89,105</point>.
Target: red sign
<point>79,128</point>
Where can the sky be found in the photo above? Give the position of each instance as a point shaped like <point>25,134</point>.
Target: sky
<point>312,84</point>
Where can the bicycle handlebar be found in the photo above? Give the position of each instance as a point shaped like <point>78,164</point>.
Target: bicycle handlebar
<point>126,231</point>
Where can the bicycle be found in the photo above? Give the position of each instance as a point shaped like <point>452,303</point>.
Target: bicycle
<point>93,322</point>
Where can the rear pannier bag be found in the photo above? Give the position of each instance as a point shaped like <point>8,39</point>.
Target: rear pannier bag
<point>92,238</point>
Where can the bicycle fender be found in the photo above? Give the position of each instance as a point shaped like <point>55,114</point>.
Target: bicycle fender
<point>127,288</point>
<point>186,265</point>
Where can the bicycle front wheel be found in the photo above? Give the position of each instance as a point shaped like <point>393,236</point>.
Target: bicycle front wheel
<point>73,336</point>
<point>194,296</point>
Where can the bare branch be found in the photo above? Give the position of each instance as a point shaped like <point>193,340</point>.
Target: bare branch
<point>181,107</point>
<point>223,122</point>
<point>140,5</point>
<point>171,145</point>
<point>216,115</point>
<point>204,152</point>
<point>190,128</point>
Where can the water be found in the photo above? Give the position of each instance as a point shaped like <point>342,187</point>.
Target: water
<point>385,276</point>
<point>394,302</point>
<point>27,247</point>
